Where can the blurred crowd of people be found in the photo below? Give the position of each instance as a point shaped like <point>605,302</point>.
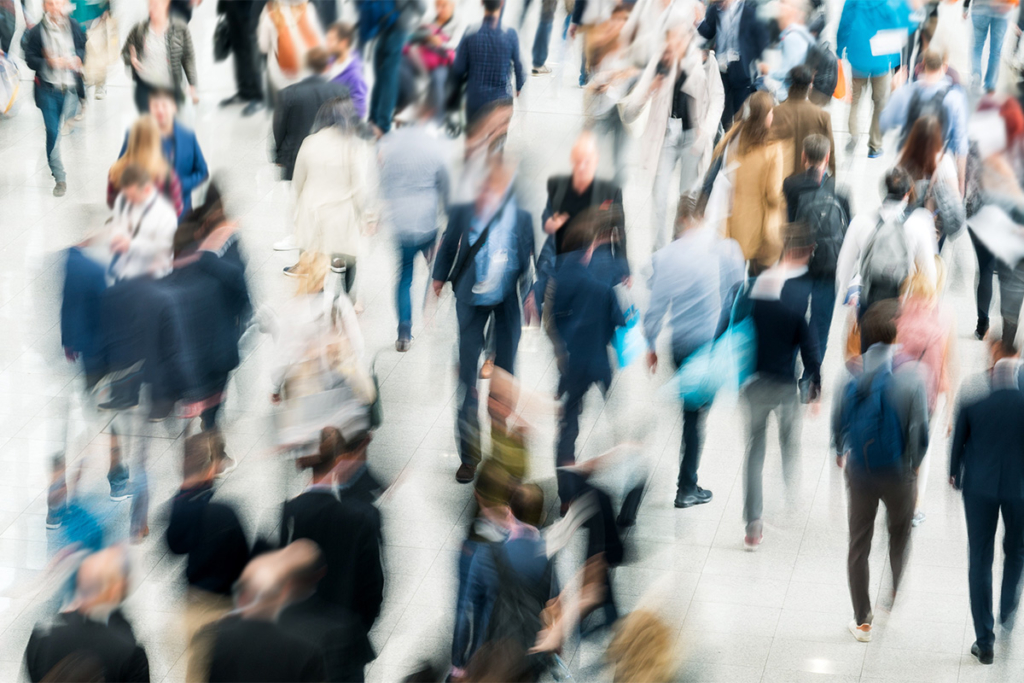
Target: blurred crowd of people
<point>751,257</point>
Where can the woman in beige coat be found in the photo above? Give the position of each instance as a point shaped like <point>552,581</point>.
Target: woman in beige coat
<point>755,167</point>
<point>333,185</point>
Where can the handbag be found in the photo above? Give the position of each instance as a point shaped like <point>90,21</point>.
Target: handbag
<point>719,204</point>
<point>628,340</point>
<point>221,40</point>
<point>840,91</point>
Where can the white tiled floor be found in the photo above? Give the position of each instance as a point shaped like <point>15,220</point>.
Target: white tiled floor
<point>777,615</point>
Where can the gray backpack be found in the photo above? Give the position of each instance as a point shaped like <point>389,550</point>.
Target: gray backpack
<point>884,265</point>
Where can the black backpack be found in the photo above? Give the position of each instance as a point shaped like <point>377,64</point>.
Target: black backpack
<point>827,220</point>
<point>822,62</point>
<point>927,106</point>
<point>518,604</point>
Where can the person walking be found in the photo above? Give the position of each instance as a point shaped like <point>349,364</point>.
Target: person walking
<point>986,463</point>
<point>414,186</point>
<point>390,28</point>
<point>797,118</point>
<point>482,63</point>
<point>286,32</point>
<point>346,67</point>
<point>485,253</point>
<point>694,280</point>
<point>143,150</point>
<point>880,434</point>
<point>989,19</point>
<point>859,22</point>
<point>143,227</point>
<point>241,18</point>
<point>180,145</point>
<point>795,42</point>
<point>740,38</point>
<point>160,54</point>
<point>779,298</point>
<point>55,50</point>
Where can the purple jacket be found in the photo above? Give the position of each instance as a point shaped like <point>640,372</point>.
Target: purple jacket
<point>352,78</point>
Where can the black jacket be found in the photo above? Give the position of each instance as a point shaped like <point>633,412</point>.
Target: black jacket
<point>111,647</point>
<point>753,35</point>
<point>295,114</point>
<point>245,650</point>
<point>782,331</point>
<point>987,452</point>
<point>349,535</point>
<point>337,632</point>
<point>212,537</point>
<point>33,42</point>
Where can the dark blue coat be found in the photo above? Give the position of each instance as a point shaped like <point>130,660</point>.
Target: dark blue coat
<point>452,253</point>
<point>84,284</point>
<point>753,34</point>
<point>987,455</point>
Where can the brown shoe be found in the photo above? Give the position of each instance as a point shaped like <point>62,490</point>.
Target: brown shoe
<point>465,474</point>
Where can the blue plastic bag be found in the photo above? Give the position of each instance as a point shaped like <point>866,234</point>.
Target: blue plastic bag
<point>629,342</point>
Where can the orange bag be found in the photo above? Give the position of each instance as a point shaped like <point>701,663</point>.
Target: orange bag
<point>840,92</point>
<point>289,58</point>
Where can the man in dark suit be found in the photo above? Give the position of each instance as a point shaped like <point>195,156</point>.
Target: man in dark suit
<point>297,108</point>
<point>241,17</point>
<point>987,464</point>
<point>568,197</point>
<point>740,38</point>
<point>93,637</point>
<point>485,253</point>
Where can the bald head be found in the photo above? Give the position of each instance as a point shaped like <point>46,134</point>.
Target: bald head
<point>101,580</point>
<point>270,580</point>
<point>584,160</point>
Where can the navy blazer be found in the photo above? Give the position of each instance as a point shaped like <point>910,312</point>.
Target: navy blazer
<point>753,38</point>
<point>189,162</point>
<point>987,456</point>
<point>455,245</point>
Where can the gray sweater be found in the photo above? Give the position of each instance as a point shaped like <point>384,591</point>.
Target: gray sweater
<point>908,397</point>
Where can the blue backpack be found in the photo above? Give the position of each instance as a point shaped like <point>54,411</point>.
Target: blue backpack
<point>375,17</point>
<point>873,435</point>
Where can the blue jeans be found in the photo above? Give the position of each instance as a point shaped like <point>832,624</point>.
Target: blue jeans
<point>407,253</point>
<point>387,58</point>
<point>542,38</point>
<point>823,306</point>
<point>52,103</point>
<point>993,25</point>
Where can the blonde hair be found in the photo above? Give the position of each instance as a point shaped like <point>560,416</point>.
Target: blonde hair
<point>311,271</point>
<point>919,286</point>
<point>642,649</point>
<point>144,150</point>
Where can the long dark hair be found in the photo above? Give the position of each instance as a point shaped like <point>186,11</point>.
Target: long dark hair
<point>753,130</point>
<point>920,154</point>
<point>201,220</point>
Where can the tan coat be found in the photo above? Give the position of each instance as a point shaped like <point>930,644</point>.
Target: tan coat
<point>757,206</point>
<point>792,122</point>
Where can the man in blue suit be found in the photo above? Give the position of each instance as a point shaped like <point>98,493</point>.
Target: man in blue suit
<point>740,38</point>
<point>181,148</point>
<point>485,253</point>
<point>987,464</point>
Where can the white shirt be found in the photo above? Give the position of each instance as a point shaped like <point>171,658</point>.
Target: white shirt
<point>150,226</point>
<point>155,67</point>
<point>920,230</point>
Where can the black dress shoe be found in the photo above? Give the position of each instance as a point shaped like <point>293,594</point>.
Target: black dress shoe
<point>465,473</point>
<point>984,656</point>
<point>698,497</point>
<point>981,330</point>
<point>234,99</point>
<point>253,107</point>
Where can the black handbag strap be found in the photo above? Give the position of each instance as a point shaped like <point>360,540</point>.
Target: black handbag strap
<point>460,270</point>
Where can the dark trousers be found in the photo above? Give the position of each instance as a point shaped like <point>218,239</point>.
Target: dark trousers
<point>507,330</point>
<point>694,418</point>
<point>737,89</point>
<point>899,492</point>
<point>542,38</point>
<point>387,58</point>
<point>568,431</point>
<point>142,91</point>
<point>986,270</point>
<point>982,519</point>
<point>51,103</point>
<point>823,306</point>
<point>403,297</point>
<point>242,27</point>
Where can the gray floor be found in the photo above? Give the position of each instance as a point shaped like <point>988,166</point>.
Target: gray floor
<point>777,615</point>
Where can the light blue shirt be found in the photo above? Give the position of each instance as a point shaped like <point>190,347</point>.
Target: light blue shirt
<point>729,28</point>
<point>500,250</point>
<point>895,113</point>
<point>795,42</point>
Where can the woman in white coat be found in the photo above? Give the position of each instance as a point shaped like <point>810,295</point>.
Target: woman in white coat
<point>682,98</point>
<point>333,183</point>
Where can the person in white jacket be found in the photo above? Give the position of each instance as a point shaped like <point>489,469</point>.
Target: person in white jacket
<point>142,228</point>
<point>684,99</point>
<point>918,226</point>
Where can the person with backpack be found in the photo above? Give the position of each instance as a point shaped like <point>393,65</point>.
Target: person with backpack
<point>987,464</point>
<point>880,434</point>
<point>886,247</point>
<point>931,95</point>
<point>812,198</point>
<point>798,118</point>
<point>795,43</point>
<point>859,23</point>
<point>933,171</point>
<point>778,299</point>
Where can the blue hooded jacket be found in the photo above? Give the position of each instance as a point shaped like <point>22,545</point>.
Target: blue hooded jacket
<point>860,22</point>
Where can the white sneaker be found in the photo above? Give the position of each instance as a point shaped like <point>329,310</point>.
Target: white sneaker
<point>287,244</point>
<point>918,519</point>
<point>861,632</point>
